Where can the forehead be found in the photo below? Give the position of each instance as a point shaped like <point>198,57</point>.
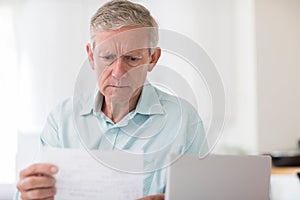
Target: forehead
<point>125,39</point>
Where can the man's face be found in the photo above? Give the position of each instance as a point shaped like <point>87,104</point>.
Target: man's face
<point>121,59</point>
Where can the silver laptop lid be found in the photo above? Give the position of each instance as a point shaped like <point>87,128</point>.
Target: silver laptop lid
<point>219,177</point>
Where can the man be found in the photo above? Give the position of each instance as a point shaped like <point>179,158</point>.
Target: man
<point>130,113</point>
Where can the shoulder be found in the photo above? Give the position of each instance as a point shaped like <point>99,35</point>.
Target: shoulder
<point>175,103</point>
<point>63,107</point>
<point>68,106</point>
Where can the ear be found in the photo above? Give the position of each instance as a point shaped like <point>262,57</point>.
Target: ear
<point>89,52</point>
<point>154,59</point>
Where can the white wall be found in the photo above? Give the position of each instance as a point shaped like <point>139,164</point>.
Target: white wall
<point>278,69</point>
<point>51,45</point>
<point>240,131</point>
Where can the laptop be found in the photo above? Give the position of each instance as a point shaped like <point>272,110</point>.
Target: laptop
<point>219,177</point>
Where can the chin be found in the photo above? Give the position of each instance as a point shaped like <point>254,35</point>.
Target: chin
<point>122,96</point>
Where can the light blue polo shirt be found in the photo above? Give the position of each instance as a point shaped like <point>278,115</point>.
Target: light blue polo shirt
<point>160,125</point>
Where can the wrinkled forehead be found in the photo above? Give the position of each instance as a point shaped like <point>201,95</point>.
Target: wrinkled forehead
<point>122,41</point>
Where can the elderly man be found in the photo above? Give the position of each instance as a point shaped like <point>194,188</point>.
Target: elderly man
<point>122,51</point>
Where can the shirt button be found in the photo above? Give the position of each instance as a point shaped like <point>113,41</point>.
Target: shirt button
<point>112,130</point>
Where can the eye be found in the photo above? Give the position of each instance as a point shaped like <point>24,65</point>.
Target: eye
<point>132,59</point>
<point>108,57</point>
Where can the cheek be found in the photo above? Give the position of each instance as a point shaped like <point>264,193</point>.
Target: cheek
<point>98,69</point>
<point>102,74</point>
<point>139,75</point>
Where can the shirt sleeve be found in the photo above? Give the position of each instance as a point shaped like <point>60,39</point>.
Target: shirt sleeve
<point>50,132</point>
<point>196,141</point>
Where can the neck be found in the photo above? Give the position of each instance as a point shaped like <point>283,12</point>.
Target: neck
<point>117,110</point>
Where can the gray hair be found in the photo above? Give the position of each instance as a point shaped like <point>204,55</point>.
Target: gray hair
<point>116,14</point>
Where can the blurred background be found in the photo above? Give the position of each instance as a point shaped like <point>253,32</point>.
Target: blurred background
<point>254,44</point>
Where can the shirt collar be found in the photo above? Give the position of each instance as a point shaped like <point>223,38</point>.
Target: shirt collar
<point>148,103</point>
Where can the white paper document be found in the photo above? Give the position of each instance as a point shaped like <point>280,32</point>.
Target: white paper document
<point>82,175</point>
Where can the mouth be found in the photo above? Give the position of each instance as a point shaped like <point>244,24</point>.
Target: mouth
<point>118,86</point>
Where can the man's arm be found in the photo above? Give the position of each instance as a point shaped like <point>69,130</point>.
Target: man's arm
<point>37,181</point>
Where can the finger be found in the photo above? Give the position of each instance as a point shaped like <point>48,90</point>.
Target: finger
<point>41,168</point>
<point>33,182</point>
<point>154,197</point>
<point>48,198</point>
<point>160,197</point>
<point>44,193</point>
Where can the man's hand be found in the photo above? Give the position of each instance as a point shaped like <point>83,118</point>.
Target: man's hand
<point>154,197</point>
<point>37,182</point>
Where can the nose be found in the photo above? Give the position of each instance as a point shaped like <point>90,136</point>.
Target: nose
<point>118,68</point>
